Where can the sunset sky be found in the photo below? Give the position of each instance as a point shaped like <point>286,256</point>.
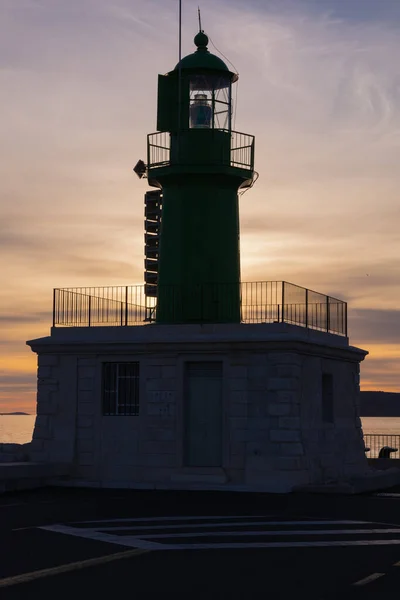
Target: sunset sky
<point>319,87</point>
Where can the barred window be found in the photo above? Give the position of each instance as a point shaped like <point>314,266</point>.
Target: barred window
<point>121,388</point>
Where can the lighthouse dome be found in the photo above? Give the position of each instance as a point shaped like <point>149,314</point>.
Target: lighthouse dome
<point>202,59</point>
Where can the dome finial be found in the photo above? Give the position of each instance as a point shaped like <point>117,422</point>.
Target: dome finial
<point>201,39</point>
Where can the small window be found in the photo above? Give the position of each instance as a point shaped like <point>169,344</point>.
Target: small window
<point>121,388</point>
<point>327,398</point>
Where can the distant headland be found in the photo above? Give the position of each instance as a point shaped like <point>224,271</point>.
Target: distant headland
<point>380,404</point>
<point>15,413</point>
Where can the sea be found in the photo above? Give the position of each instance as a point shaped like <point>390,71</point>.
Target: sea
<point>18,429</point>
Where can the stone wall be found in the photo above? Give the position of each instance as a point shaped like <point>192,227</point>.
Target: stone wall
<point>274,435</point>
<point>11,453</point>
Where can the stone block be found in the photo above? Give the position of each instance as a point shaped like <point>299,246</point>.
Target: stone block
<point>328,460</point>
<point>39,456</point>
<point>265,423</point>
<point>160,384</point>
<point>86,408</point>
<point>84,472</point>
<point>87,361</point>
<point>257,383</point>
<point>85,446</point>
<point>285,435</point>
<point>46,408</point>
<point>159,435</point>
<point>282,383</point>
<point>288,370</point>
<point>238,409</point>
<point>36,444</point>
<point>287,396</point>
<point>158,447</point>
<point>289,422</point>
<point>257,371</point>
<point>284,358</point>
<point>42,421</point>
<point>85,433</point>
<point>279,409</point>
<point>238,372</point>
<point>237,461</point>
<point>238,396</point>
<point>85,421</point>
<point>168,372</point>
<point>160,396</point>
<point>238,384</point>
<point>292,449</point>
<point>86,372</point>
<point>153,372</point>
<point>86,458</point>
<point>289,463</point>
<point>44,372</point>
<point>159,409</point>
<point>45,387</point>
<point>237,448</point>
<point>238,423</point>
<point>158,460</point>
<point>244,435</point>
<point>85,384</point>
<point>85,396</point>
<point>47,360</point>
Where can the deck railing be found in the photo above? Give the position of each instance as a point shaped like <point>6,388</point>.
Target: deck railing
<point>241,150</point>
<point>260,302</point>
<point>374,442</point>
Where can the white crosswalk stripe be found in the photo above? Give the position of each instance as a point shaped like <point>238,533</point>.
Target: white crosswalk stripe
<point>209,532</point>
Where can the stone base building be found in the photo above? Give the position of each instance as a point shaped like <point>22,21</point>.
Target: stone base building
<point>252,407</point>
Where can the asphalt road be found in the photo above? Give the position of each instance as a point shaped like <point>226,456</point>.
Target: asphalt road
<point>58,543</point>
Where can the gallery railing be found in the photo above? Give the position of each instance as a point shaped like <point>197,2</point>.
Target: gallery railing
<point>260,302</point>
<point>241,153</point>
<point>382,445</point>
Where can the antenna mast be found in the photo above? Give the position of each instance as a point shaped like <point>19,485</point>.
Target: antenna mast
<point>200,27</point>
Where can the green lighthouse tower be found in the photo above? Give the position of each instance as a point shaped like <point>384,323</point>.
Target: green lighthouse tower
<point>200,164</point>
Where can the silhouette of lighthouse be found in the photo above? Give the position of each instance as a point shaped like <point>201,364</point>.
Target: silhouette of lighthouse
<point>198,164</point>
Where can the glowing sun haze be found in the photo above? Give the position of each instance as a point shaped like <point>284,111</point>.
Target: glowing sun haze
<point>319,87</point>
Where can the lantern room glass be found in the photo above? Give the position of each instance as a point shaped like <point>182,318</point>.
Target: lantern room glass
<point>210,102</point>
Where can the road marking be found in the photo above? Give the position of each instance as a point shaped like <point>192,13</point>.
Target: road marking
<point>397,564</point>
<point>270,533</point>
<point>103,537</point>
<point>387,495</point>
<point>369,579</point>
<point>83,564</point>
<point>225,524</point>
<point>183,518</point>
<point>153,541</point>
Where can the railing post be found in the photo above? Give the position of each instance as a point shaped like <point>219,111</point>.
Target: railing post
<point>54,307</point>
<point>306,308</point>
<point>283,301</point>
<point>327,315</point>
<point>345,318</point>
<point>90,311</point>
<point>126,305</point>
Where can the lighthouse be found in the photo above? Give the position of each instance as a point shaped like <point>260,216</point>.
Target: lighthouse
<point>198,380</point>
<point>200,164</point>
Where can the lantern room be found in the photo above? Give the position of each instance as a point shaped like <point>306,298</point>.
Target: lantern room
<point>197,94</point>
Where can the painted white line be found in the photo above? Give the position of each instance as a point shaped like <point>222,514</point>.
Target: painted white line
<point>368,579</point>
<point>270,533</point>
<point>212,524</point>
<point>11,505</point>
<point>91,562</point>
<point>101,537</point>
<point>240,546</point>
<point>181,518</point>
<point>387,495</point>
